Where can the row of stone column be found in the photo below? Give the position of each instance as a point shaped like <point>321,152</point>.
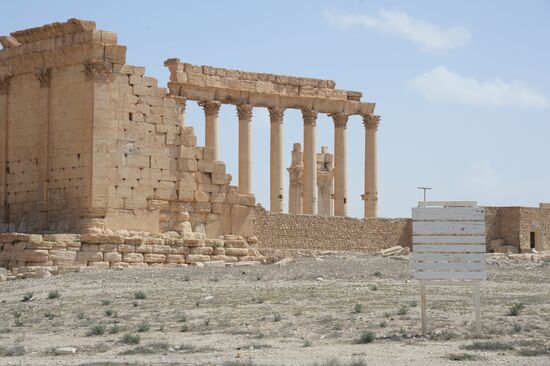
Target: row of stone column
<point>244,113</point>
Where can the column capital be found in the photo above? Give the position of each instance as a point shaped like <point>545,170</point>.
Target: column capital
<point>340,119</point>
<point>276,114</point>
<point>210,107</point>
<point>244,112</point>
<point>44,75</point>
<point>310,116</point>
<point>371,121</point>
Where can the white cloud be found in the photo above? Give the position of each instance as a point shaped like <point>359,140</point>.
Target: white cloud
<point>442,85</point>
<point>427,35</point>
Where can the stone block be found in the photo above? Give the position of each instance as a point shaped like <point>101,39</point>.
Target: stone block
<point>202,250</point>
<point>126,248</point>
<point>195,258</point>
<point>175,258</point>
<point>89,257</point>
<point>162,249</point>
<point>38,255</point>
<point>237,252</point>
<point>112,257</point>
<point>144,249</point>
<point>62,256</point>
<point>154,258</point>
<point>132,257</point>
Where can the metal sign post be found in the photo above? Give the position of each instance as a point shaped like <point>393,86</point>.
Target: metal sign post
<point>449,248</point>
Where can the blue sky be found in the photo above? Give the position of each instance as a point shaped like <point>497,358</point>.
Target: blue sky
<point>463,87</point>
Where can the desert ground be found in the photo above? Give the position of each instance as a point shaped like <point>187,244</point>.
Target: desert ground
<point>330,309</point>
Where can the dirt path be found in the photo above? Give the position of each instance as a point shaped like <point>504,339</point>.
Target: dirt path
<point>310,310</point>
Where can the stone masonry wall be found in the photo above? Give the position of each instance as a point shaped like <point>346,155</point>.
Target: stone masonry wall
<point>290,231</point>
<point>27,251</point>
<point>89,144</point>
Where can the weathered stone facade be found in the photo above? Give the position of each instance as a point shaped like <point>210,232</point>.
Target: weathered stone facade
<point>292,231</point>
<point>525,228</point>
<point>89,143</point>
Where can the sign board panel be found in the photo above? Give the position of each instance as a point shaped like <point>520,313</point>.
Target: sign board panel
<point>449,247</point>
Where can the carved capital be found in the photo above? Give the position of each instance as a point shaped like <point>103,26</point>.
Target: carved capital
<point>276,114</point>
<point>310,117</point>
<point>98,70</point>
<point>211,108</point>
<point>244,112</point>
<point>181,103</point>
<point>44,76</point>
<point>340,119</point>
<point>371,121</point>
<point>5,84</point>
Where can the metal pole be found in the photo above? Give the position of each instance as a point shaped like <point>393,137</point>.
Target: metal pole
<point>425,189</point>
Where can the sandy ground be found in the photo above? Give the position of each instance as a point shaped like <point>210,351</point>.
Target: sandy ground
<point>309,311</point>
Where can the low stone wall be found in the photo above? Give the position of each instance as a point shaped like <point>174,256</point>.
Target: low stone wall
<point>291,231</point>
<point>111,251</point>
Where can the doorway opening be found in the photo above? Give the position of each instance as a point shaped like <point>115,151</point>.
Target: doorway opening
<point>535,240</point>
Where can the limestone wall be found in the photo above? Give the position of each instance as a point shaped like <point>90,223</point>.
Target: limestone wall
<point>108,251</point>
<point>90,144</point>
<point>291,231</point>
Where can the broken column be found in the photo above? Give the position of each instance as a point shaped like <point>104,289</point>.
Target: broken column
<point>295,181</point>
<point>325,182</point>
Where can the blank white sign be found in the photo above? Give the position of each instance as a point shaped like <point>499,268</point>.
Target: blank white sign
<point>449,241</point>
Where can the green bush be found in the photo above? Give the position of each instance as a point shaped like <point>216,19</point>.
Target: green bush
<point>359,308</point>
<point>139,295</point>
<point>54,294</point>
<point>517,308</point>
<point>367,337</point>
<point>131,338</point>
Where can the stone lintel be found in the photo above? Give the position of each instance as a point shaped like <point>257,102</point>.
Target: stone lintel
<point>53,30</point>
<point>257,99</point>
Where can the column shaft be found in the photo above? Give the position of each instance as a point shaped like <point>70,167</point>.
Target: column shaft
<point>276,159</point>
<point>370,197</point>
<point>211,111</point>
<point>340,165</point>
<point>244,111</point>
<point>310,163</point>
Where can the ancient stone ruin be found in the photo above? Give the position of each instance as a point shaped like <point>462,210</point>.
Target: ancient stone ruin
<point>98,166</point>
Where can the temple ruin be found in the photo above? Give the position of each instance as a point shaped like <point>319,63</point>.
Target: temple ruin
<point>99,167</point>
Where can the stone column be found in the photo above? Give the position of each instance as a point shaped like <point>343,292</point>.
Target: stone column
<point>276,159</point>
<point>340,165</point>
<point>295,181</point>
<point>244,111</point>
<point>44,77</point>
<point>211,111</point>
<point>370,197</point>
<point>324,182</point>
<point>310,163</point>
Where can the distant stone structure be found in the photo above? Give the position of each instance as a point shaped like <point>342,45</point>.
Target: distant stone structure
<point>325,182</point>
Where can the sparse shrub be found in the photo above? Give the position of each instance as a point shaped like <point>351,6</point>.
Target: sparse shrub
<point>131,338</point>
<point>383,324</point>
<point>16,314</point>
<point>359,308</point>
<point>184,328</point>
<point>183,318</point>
<point>377,274</point>
<point>143,327</point>
<point>135,303</point>
<point>114,329</point>
<point>533,352</point>
<point>105,302</point>
<point>12,351</point>
<point>366,337</point>
<point>517,328</point>
<point>488,346</point>
<point>374,288</point>
<point>29,296</point>
<point>96,330</point>
<point>186,278</point>
<point>139,295</point>
<point>206,322</point>
<point>49,315</point>
<point>54,294</point>
<point>277,317</point>
<point>82,315</point>
<point>387,315</point>
<point>462,357</point>
<point>307,343</point>
<point>18,323</point>
<point>403,310</point>
<point>258,278</point>
<point>517,308</point>
<point>197,303</point>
